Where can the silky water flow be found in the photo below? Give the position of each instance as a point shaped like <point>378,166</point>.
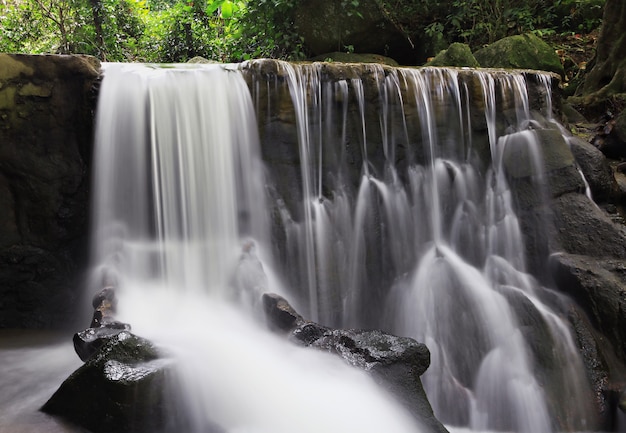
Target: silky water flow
<point>400,220</point>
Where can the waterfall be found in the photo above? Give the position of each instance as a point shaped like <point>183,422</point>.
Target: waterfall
<point>390,208</point>
<point>180,228</point>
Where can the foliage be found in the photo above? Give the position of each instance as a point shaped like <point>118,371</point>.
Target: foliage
<point>479,22</point>
<point>234,30</point>
<point>268,30</point>
<point>66,26</point>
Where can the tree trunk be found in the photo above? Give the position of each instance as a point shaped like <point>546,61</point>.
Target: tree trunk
<point>608,73</point>
<point>96,10</point>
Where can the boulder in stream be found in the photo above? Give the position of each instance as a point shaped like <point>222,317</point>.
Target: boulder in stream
<point>103,325</point>
<point>119,389</point>
<point>396,363</point>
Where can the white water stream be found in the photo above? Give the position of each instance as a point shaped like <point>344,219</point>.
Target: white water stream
<point>181,230</point>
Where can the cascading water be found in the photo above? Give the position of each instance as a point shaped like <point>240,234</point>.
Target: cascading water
<point>427,243</point>
<point>402,220</point>
<point>180,228</point>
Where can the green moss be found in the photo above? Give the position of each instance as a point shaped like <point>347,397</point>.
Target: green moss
<point>29,89</point>
<point>355,58</point>
<point>11,68</point>
<point>457,54</point>
<point>7,98</point>
<point>520,52</point>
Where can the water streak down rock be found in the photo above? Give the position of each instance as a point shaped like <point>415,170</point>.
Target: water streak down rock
<point>396,363</point>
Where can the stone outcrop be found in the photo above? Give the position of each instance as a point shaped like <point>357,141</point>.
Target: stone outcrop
<point>46,116</point>
<point>394,362</point>
<point>573,245</point>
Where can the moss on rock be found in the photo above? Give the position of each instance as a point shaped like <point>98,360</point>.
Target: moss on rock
<point>520,52</point>
<point>11,67</point>
<point>457,54</point>
<point>338,56</point>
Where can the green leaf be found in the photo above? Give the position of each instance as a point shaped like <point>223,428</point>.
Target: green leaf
<point>227,9</point>
<point>214,5</point>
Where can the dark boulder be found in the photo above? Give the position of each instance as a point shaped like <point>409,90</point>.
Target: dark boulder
<point>599,287</point>
<point>610,137</point>
<point>396,363</point>
<point>582,228</point>
<point>103,325</point>
<point>119,389</point>
<point>596,169</point>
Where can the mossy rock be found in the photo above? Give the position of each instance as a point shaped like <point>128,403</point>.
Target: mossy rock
<point>457,54</point>
<point>520,52</point>
<point>340,57</point>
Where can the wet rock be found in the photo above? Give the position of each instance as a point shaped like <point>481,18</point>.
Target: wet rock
<point>396,363</point>
<point>280,314</point>
<point>595,168</point>
<point>119,389</point>
<point>599,287</point>
<point>584,229</point>
<point>103,325</point>
<point>91,340</point>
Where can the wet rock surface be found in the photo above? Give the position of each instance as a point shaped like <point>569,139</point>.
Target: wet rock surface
<point>103,325</point>
<point>119,389</point>
<point>595,168</point>
<point>396,363</point>
<point>46,105</point>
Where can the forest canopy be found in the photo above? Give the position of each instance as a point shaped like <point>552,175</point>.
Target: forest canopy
<point>235,30</point>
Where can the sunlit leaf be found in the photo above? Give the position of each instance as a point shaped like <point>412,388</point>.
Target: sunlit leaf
<point>227,9</point>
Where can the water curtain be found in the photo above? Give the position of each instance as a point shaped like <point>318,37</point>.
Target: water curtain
<point>371,197</point>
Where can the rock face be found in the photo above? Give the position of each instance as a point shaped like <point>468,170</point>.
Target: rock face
<point>573,245</point>
<point>520,52</point>
<point>394,362</point>
<point>596,169</point>
<point>46,106</point>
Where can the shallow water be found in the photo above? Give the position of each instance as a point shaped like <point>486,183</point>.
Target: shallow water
<point>32,366</point>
